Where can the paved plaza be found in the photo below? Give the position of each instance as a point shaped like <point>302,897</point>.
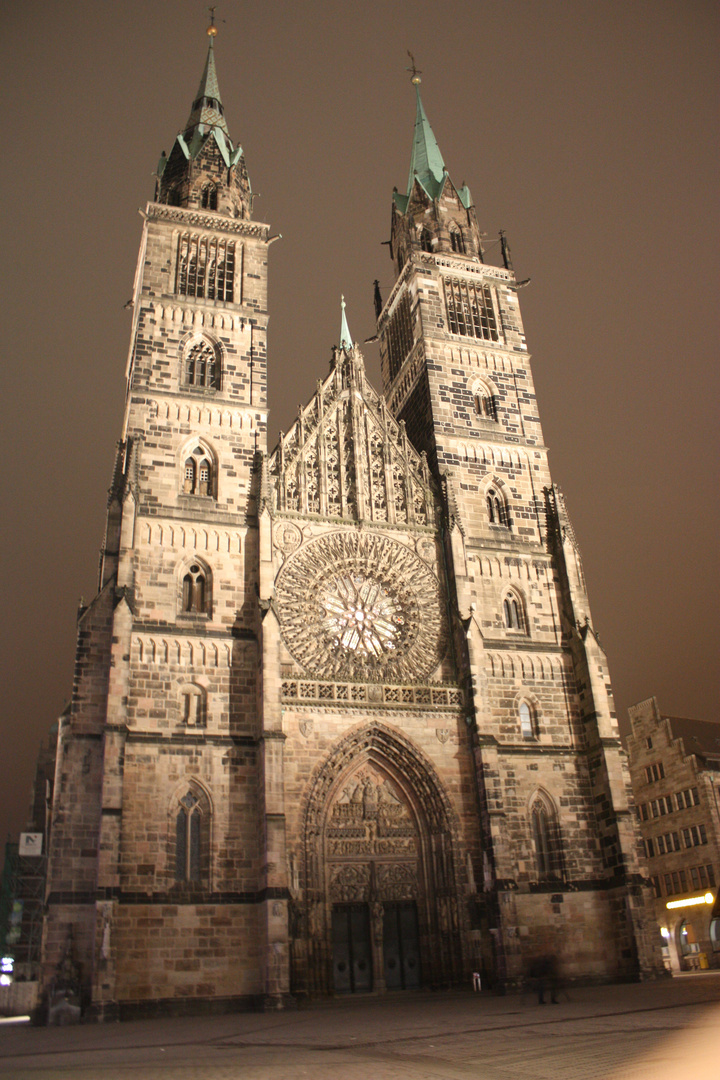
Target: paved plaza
<point>660,1031</point>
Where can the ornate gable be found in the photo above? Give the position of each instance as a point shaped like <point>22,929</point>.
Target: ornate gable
<point>347,457</point>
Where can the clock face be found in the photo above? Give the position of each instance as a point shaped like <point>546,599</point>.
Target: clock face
<point>358,606</point>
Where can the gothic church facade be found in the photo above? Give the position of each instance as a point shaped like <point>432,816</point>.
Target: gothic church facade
<point>340,721</point>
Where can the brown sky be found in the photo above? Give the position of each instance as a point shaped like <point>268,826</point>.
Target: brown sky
<point>588,131</point>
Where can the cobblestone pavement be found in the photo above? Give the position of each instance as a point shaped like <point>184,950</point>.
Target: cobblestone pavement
<point>661,1031</point>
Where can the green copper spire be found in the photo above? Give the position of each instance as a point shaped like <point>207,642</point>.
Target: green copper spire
<point>345,340</point>
<point>426,161</point>
<point>207,111</point>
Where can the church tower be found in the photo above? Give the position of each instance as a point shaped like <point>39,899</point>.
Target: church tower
<point>560,850</point>
<point>156,802</point>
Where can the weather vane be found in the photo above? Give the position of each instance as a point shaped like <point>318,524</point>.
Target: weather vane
<point>416,73</point>
<point>212,28</point>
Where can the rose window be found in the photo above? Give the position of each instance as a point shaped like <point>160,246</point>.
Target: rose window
<point>360,615</point>
<point>358,606</point>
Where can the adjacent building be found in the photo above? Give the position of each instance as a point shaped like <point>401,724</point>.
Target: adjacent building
<point>675,770</point>
<point>341,721</point>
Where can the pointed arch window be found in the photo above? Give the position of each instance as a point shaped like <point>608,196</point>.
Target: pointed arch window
<point>528,727</point>
<point>195,591</point>
<point>514,613</point>
<point>457,242</point>
<point>545,839</point>
<point>497,510</point>
<point>192,838</point>
<point>201,366</point>
<point>485,404</point>
<point>198,473</point>
<point>209,197</point>
<point>426,240</point>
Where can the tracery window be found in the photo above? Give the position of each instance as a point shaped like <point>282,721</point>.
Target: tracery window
<point>399,335</point>
<point>201,366</point>
<point>426,240</point>
<point>485,405</point>
<point>470,309</point>
<point>192,838</point>
<point>497,510</point>
<point>545,839</point>
<point>513,613</point>
<point>195,591</point>
<point>198,473</point>
<point>205,267</point>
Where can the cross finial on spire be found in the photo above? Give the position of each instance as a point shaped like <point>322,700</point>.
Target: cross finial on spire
<point>212,28</point>
<point>416,73</point>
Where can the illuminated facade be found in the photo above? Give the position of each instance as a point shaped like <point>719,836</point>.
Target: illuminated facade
<point>341,721</point>
<point>675,771</point>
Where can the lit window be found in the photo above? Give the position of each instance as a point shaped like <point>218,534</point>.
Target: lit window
<point>527,726</point>
<point>686,936</point>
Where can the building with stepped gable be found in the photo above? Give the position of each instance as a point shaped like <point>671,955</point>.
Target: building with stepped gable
<point>341,721</point>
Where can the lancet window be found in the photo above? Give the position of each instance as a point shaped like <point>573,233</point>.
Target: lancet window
<point>470,309</point>
<point>485,405</point>
<point>192,838</point>
<point>198,473</point>
<point>514,614</point>
<point>545,839</point>
<point>206,267</point>
<point>497,510</point>
<point>527,720</point>
<point>209,197</point>
<point>456,240</point>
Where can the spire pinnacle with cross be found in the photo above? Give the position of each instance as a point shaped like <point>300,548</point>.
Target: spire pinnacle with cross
<point>416,73</point>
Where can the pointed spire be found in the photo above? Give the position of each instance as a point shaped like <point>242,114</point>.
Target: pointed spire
<point>207,109</point>
<point>426,161</point>
<point>346,341</point>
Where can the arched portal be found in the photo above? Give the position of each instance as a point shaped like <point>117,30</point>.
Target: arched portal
<point>376,904</point>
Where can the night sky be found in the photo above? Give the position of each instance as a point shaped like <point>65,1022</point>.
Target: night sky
<point>588,131</point>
